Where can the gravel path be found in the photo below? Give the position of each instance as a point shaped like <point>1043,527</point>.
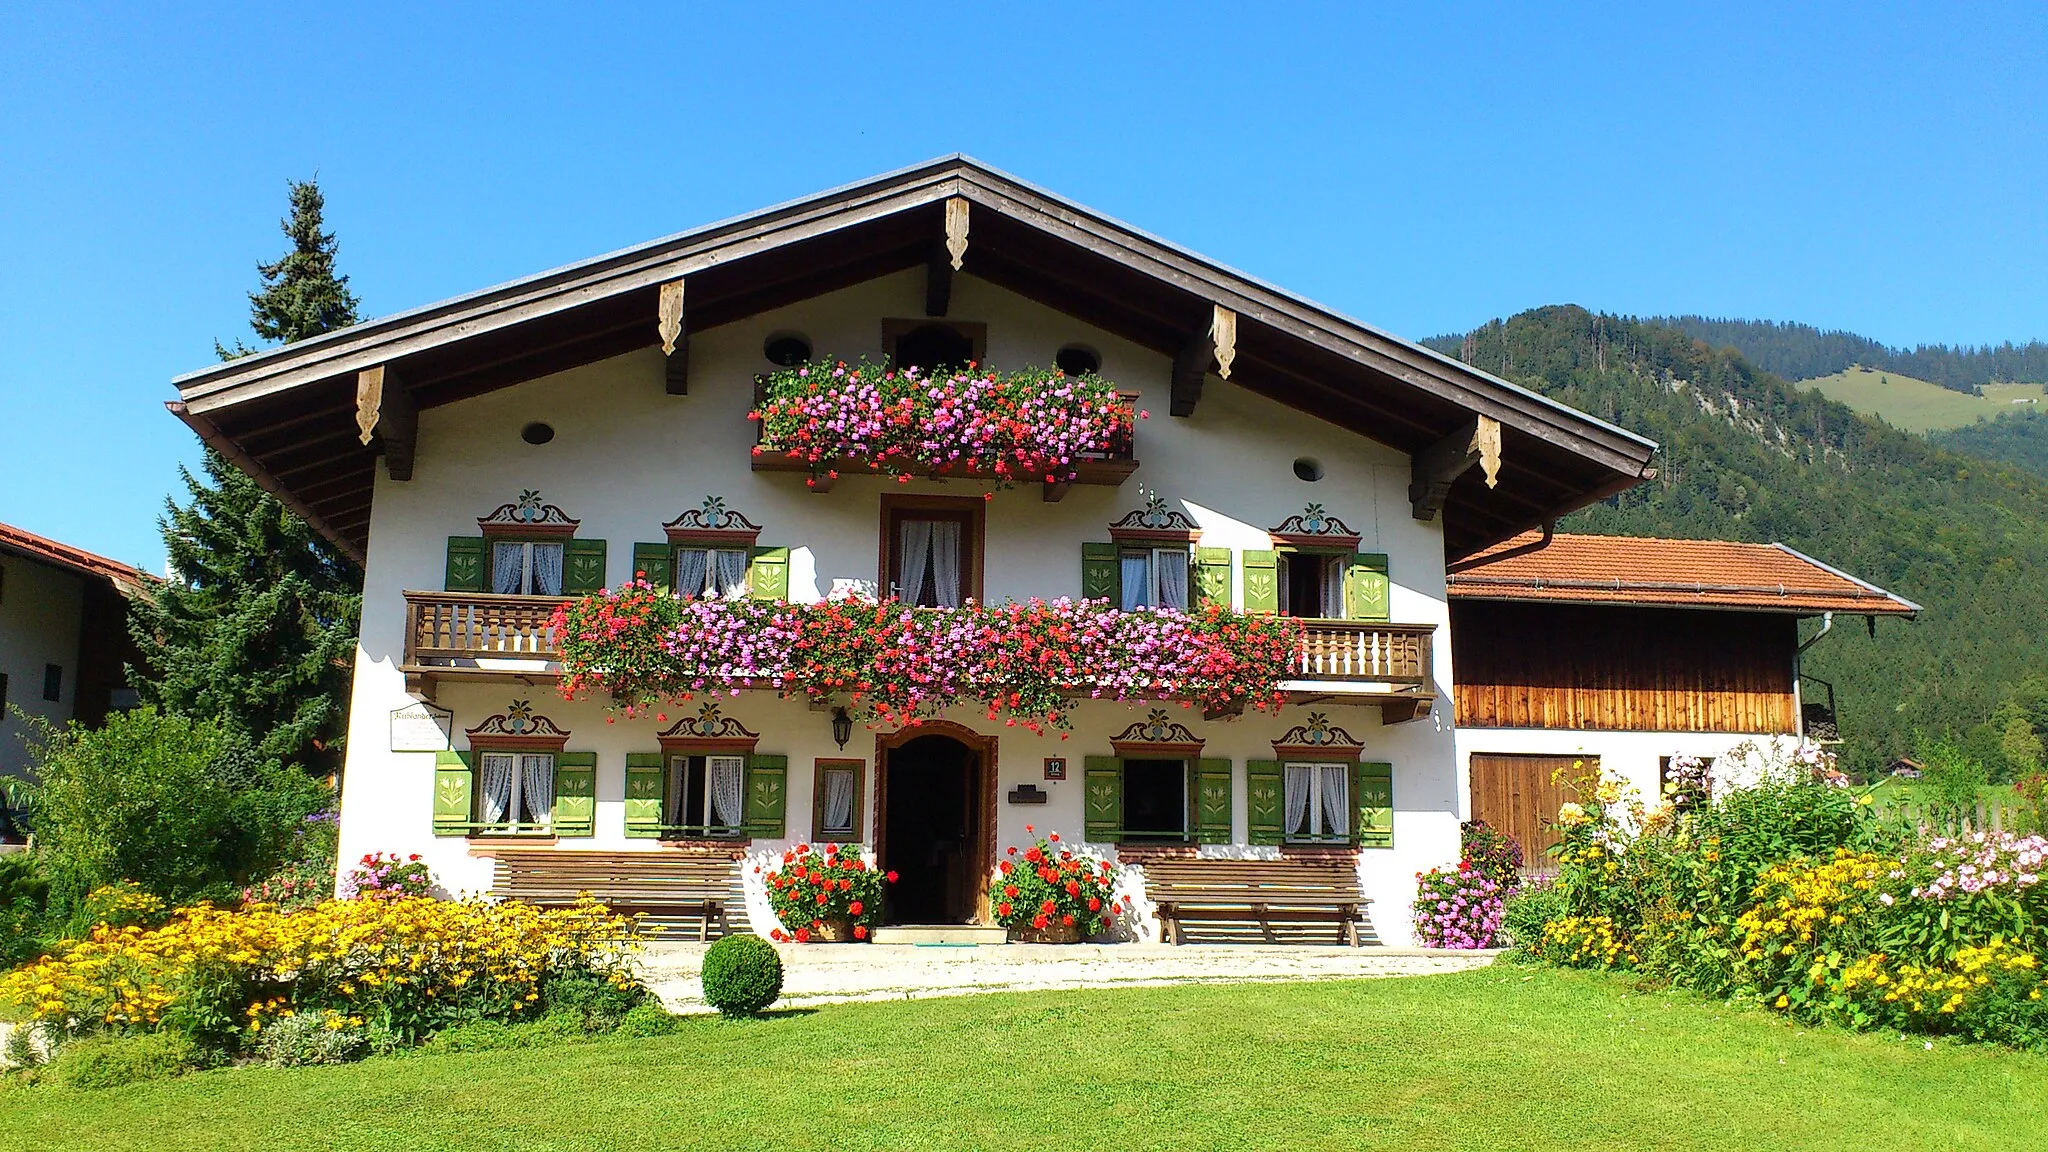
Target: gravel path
<point>837,973</point>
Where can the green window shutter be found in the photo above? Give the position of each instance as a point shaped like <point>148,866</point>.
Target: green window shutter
<point>1212,801</point>
<point>767,795</point>
<point>1103,777</point>
<point>643,794</point>
<point>454,790</point>
<point>1212,576</point>
<point>583,567</point>
<point>1101,576</point>
<point>1262,784</point>
<point>575,794</point>
<point>768,575</point>
<point>1375,788</point>
<point>1261,581</point>
<point>465,564</point>
<point>654,563</point>
<point>1366,590</point>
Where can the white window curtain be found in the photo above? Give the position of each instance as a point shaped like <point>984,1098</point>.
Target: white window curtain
<point>508,568</point>
<point>537,788</point>
<point>1297,782</point>
<point>1333,588</point>
<point>1134,573</point>
<point>495,794</point>
<point>692,564</point>
<point>725,791</point>
<point>1335,798</point>
<point>732,575</point>
<point>838,801</point>
<point>547,569</point>
<point>914,551</point>
<point>1173,579</point>
<point>946,562</point>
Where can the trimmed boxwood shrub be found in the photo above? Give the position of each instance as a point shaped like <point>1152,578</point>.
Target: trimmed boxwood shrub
<point>742,975</point>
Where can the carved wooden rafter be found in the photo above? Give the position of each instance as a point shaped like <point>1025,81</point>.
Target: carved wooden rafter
<point>709,731</point>
<point>528,516</point>
<point>1157,735</point>
<point>1438,466</point>
<point>1223,337</point>
<point>713,525</point>
<point>385,410</point>
<point>675,342</point>
<point>519,728</point>
<point>956,230</point>
<point>1318,737</point>
<point>1315,529</point>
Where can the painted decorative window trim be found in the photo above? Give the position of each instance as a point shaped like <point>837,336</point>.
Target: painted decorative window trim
<point>1157,736</point>
<point>528,518</point>
<point>713,525</point>
<point>1318,739</point>
<point>517,729</point>
<point>708,733</point>
<point>1314,530</point>
<point>1155,524</point>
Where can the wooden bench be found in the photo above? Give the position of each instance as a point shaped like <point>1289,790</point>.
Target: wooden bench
<point>690,886</point>
<point>1262,892</point>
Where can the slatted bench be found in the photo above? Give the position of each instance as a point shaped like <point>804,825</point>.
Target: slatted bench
<point>1262,892</point>
<point>661,884</point>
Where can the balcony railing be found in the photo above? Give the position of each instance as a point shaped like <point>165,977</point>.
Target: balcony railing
<point>444,627</point>
<point>1362,650</point>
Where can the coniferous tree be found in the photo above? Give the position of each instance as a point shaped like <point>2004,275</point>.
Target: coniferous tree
<point>257,624</point>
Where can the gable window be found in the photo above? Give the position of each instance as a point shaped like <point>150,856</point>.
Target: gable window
<point>932,346</point>
<point>932,550</point>
<point>704,796</point>
<point>526,568</point>
<point>1317,800</point>
<point>836,796</point>
<point>515,792</point>
<point>1153,578</point>
<point>712,573</point>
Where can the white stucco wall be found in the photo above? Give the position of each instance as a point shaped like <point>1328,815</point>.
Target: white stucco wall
<point>1632,756</point>
<point>40,611</point>
<point>626,458</point>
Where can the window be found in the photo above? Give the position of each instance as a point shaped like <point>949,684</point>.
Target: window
<point>1077,360</point>
<point>704,796</point>
<point>786,349</point>
<point>712,573</point>
<point>932,550</point>
<point>836,800</point>
<point>53,682</point>
<point>1153,578</point>
<point>1318,803</point>
<point>1156,801</point>
<point>931,346</point>
<point>1312,586</point>
<point>515,792</point>
<point>526,568</point>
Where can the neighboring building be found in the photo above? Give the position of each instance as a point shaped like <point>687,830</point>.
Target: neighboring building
<point>64,645</point>
<point>540,439</point>
<point>1617,653</point>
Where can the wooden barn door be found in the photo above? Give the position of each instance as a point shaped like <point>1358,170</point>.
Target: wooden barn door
<point>1519,795</point>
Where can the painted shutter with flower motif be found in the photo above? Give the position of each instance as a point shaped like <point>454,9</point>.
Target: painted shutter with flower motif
<point>465,571</point>
<point>1103,814</point>
<point>651,563</point>
<point>575,794</point>
<point>1261,580</point>
<point>768,575</point>
<point>1263,792</point>
<point>767,795</point>
<point>1212,576</point>
<point>1212,801</point>
<point>583,567</point>
<point>1374,784</point>
<point>643,794</point>
<point>1366,587</point>
<point>454,785</point>
<point>1100,576</point>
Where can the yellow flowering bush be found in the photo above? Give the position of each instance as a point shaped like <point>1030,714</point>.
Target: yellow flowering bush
<point>1584,942</point>
<point>409,965</point>
<point>1804,917</point>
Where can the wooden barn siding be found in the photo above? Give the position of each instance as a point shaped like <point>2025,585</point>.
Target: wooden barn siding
<point>1622,669</point>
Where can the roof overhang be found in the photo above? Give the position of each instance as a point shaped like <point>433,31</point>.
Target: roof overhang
<point>288,415</point>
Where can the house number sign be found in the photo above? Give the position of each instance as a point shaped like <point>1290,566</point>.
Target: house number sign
<point>422,727</point>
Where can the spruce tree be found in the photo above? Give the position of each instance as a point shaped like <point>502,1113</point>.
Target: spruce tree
<point>256,625</point>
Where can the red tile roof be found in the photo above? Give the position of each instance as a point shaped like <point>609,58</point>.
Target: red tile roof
<point>1668,573</point>
<point>25,543</point>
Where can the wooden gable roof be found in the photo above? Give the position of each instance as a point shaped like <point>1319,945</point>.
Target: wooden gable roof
<point>288,416</point>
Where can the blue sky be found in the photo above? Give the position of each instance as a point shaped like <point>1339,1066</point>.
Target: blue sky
<point>1422,167</point>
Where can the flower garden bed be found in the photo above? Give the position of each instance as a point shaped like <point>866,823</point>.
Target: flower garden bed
<point>1027,662</point>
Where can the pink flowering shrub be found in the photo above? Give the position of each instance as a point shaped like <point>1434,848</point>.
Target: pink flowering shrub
<point>1457,908</point>
<point>1983,862</point>
<point>1032,425</point>
<point>1025,661</point>
<point>387,876</point>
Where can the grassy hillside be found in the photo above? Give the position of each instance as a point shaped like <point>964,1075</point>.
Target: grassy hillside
<point>1803,352</point>
<point>1920,405</point>
<point>1747,456</point>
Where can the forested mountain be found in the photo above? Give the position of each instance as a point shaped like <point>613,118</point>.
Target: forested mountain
<point>2014,437</point>
<point>1746,456</point>
<point>1802,352</point>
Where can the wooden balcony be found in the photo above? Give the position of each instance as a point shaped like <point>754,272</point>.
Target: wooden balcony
<point>476,635</point>
<point>1364,662</point>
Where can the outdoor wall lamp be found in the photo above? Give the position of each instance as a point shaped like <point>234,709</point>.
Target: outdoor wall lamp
<point>842,727</point>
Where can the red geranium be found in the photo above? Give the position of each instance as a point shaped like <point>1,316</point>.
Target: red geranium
<point>1077,892</point>
<point>814,886</point>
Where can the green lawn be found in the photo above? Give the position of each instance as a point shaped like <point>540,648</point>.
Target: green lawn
<point>1920,405</point>
<point>1499,1058</point>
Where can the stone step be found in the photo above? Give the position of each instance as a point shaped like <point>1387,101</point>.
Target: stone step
<point>941,934</point>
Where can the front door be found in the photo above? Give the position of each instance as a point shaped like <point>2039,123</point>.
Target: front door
<point>931,834</point>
